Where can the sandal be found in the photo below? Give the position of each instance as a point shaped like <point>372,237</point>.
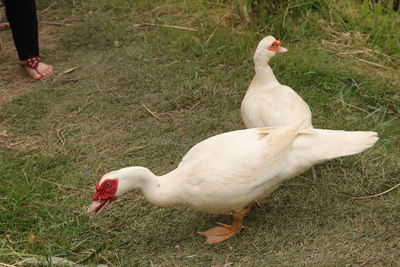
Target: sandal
<point>4,23</point>
<point>32,63</point>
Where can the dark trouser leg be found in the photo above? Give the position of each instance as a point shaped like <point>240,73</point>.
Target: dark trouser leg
<point>21,15</point>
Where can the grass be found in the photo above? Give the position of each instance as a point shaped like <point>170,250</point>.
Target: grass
<point>64,133</point>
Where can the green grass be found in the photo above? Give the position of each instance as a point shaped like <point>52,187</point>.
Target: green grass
<point>66,132</point>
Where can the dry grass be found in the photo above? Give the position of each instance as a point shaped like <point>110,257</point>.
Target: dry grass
<point>355,47</point>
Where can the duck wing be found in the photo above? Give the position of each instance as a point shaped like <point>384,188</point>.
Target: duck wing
<point>276,106</point>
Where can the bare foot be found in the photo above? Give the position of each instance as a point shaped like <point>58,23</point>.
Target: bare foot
<point>42,71</point>
<point>4,25</point>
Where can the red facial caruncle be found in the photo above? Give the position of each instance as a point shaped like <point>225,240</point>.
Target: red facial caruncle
<point>275,46</point>
<point>105,193</point>
<point>107,190</point>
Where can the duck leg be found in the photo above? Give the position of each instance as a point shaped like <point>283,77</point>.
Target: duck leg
<point>224,231</point>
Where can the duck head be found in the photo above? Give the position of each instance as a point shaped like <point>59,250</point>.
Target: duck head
<point>116,183</point>
<point>266,49</point>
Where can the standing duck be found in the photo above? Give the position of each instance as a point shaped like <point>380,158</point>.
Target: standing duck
<point>229,172</point>
<point>268,103</point>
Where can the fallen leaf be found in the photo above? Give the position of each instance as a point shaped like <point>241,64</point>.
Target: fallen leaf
<point>69,70</point>
<point>178,248</point>
<point>32,239</point>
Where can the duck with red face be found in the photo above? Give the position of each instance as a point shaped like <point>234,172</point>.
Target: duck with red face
<point>116,183</point>
<point>267,48</point>
<point>105,193</point>
<point>229,172</point>
<point>276,47</point>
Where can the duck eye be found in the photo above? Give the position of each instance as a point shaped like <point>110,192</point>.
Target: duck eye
<point>108,184</point>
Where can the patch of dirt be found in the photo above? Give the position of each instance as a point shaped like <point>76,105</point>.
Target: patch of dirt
<point>22,143</point>
<point>13,79</point>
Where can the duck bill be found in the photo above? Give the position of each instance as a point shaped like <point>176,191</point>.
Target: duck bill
<point>282,50</point>
<point>97,206</point>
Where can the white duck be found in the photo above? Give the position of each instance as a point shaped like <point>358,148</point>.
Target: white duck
<point>267,102</point>
<point>229,172</point>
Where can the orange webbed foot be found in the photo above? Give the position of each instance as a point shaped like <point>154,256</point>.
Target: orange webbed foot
<point>225,231</point>
<point>220,233</point>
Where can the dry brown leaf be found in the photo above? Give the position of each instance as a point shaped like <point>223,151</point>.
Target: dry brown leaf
<point>69,70</point>
<point>32,239</point>
<point>178,248</point>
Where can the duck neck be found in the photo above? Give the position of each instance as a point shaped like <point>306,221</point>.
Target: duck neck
<point>264,75</point>
<point>156,190</point>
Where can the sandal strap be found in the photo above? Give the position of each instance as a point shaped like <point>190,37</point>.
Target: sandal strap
<point>32,62</point>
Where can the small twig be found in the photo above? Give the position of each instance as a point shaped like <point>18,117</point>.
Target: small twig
<point>69,70</point>
<point>165,26</point>
<point>180,111</point>
<point>151,112</point>
<point>352,106</point>
<point>351,52</point>
<point>215,30</point>
<point>11,145</point>
<point>335,44</point>
<point>373,63</point>
<point>172,63</point>
<point>98,88</point>
<point>135,148</point>
<point>314,173</point>
<point>383,54</point>
<point>61,185</point>
<point>212,34</point>
<point>55,23</point>
<point>379,194</point>
<point>246,13</point>
<point>6,265</point>
<point>216,26</point>
<point>61,137</point>
<point>191,256</point>
<point>47,9</point>
<point>104,258</point>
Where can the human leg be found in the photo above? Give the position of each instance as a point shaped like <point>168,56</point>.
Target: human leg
<point>24,26</point>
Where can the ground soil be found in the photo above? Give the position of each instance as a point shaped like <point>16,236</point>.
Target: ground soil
<point>13,79</point>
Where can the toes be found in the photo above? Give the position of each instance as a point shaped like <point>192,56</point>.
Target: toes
<point>33,73</point>
<point>227,226</point>
<point>219,233</point>
<point>45,70</point>
<point>216,239</point>
<point>215,231</point>
<point>48,72</point>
